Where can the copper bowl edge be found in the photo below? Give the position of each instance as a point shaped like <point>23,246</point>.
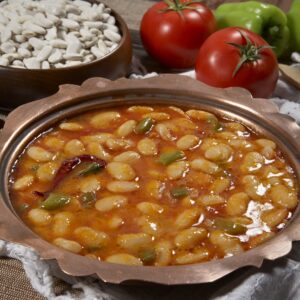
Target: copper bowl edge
<point>262,111</point>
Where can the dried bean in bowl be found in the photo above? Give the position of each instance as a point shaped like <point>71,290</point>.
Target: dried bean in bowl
<point>44,34</point>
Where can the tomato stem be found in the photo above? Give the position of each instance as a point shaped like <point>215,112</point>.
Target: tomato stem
<point>248,53</point>
<point>178,6</point>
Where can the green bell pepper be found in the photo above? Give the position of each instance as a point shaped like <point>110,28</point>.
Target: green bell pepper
<point>294,25</point>
<point>267,20</point>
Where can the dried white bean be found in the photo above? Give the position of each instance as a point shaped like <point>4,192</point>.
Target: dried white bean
<point>18,64</point>
<point>4,61</point>
<point>111,27</point>
<point>89,24</point>
<point>40,20</point>
<point>72,57</point>
<point>8,47</point>
<point>20,38</point>
<point>32,63</point>
<point>34,28</point>
<point>58,43</point>
<point>44,53</point>
<point>5,35</point>
<point>15,27</point>
<point>55,57</point>
<point>36,43</point>
<point>112,36</point>
<point>88,32</point>
<point>24,53</point>
<point>111,20</point>
<point>70,24</point>
<point>97,52</point>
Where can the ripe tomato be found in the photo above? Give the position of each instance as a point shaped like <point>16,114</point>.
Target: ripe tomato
<point>173,31</point>
<point>219,57</point>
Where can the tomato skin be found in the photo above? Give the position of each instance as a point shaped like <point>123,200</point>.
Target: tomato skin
<point>174,38</point>
<point>217,61</point>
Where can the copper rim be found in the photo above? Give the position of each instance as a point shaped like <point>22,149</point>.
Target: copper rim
<point>27,121</point>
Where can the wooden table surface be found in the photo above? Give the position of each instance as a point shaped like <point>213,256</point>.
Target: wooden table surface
<point>14,284</point>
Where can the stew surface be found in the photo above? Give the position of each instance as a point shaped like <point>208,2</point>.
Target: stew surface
<point>153,186</point>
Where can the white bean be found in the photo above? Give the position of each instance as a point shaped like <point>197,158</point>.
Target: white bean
<point>124,259</point>
<point>127,157</point>
<point>126,128</point>
<point>122,186</point>
<point>121,171</point>
<point>68,245</point>
<point>108,203</point>
<point>111,35</point>
<point>187,142</point>
<point>134,241</point>
<point>177,170</point>
<point>23,182</point>
<point>39,216</point>
<point>147,147</point>
<point>39,154</point>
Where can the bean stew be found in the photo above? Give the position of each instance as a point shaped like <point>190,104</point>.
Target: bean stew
<point>154,186</point>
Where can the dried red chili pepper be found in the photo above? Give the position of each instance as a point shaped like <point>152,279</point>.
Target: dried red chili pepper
<point>67,166</point>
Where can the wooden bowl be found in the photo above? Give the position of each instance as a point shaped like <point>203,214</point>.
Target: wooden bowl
<point>19,86</point>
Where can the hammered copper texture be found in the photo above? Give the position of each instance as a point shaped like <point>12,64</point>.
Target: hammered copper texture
<point>132,12</point>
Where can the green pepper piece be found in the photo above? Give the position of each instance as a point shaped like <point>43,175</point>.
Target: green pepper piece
<point>88,199</point>
<point>91,168</point>
<point>55,201</point>
<point>267,20</point>
<point>294,25</point>
<point>34,168</point>
<point>214,122</point>
<point>144,125</point>
<point>230,226</point>
<point>171,156</point>
<point>147,256</point>
<point>179,192</point>
<point>23,207</point>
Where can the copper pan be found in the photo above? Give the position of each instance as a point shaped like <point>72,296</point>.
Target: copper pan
<point>27,121</point>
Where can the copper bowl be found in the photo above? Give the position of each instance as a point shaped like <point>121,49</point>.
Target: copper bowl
<point>27,121</point>
<point>19,86</point>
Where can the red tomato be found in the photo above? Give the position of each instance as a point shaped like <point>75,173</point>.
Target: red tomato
<point>173,33</point>
<point>217,62</point>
